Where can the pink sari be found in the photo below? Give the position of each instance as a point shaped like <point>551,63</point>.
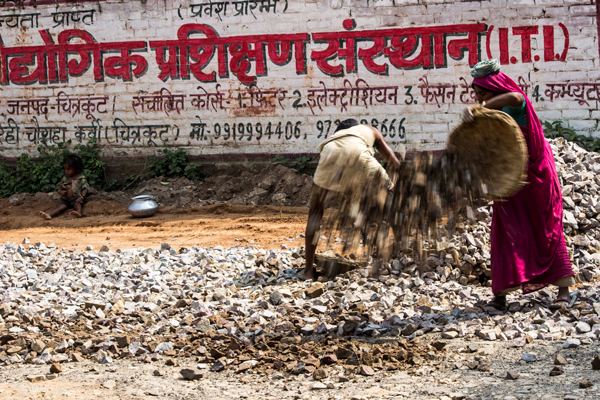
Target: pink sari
<point>527,241</point>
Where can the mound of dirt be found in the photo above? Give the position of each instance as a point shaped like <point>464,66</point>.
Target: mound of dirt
<point>257,184</point>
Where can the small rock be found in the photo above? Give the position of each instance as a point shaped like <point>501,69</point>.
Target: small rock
<point>584,384</point>
<point>439,346</point>
<point>408,330</point>
<point>329,359</point>
<point>190,374</point>
<point>557,370</point>
<point>571,343</point>
<point>219,294</point>
<point>217,367</point>
<point>365,370</point>
<point>528,357</point>
<point>38,346</point>
<point>245,366</point>
<point>318,386</point>
<point>450,335</point>
<point>106,360</point>
<point>483,366</point>
<point>583,327</point>
<point>560,360</point>
<point>172,362</point>
<point>181,303</point>
<point>275,298</point>
<point>315,290</point>
<point>36,378</point>
<point>512,375</point>
<point>55,368</point>
<point>472,348</point>
<point>319,374</point>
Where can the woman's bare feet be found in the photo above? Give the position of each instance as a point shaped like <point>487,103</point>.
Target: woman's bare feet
<point>76,214</point>
<point>307,274</point>
<point>44,215</point>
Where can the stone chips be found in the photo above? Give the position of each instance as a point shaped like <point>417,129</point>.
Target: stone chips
<point>242,309</point>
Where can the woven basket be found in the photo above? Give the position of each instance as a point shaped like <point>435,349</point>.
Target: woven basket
<point>493,146</point>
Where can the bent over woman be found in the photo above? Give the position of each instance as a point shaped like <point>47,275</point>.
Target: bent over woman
<point>528,249</point>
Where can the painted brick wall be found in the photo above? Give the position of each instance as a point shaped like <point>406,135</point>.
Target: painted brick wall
<point>276,76</point>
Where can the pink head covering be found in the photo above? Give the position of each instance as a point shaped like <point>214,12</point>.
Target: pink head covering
<point>534,134</point>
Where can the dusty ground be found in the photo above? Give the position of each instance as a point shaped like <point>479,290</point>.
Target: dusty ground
<point>263,205</point>
<point>108,223</point>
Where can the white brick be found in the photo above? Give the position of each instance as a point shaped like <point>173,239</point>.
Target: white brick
<point>475,16</point>
<point>434,128</point>
<point>520,3</point>
<point>580,125</point>
<point>495,4</point>
<point>583,10</point>
<point>575,114</point>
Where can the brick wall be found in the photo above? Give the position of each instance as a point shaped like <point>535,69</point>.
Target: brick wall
<point>238,78</point>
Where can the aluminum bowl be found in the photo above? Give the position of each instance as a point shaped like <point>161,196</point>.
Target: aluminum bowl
<point>143,206</point>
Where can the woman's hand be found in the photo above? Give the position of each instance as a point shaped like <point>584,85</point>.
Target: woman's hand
<point>467,115</point>
<point>79,200</point>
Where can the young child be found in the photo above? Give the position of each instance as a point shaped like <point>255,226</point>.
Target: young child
<point>73,188</point>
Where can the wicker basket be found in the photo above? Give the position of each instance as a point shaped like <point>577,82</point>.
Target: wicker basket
<point>493,147</point>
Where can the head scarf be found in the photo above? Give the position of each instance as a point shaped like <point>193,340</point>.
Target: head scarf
<point>501,83</point>
<point>484,68</point>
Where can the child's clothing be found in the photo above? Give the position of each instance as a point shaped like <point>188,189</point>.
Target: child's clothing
<point>77,187</point>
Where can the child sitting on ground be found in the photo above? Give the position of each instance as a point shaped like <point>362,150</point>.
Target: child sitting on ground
<point>73,188</point>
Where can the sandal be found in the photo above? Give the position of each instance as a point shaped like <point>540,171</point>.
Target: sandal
<point>559,303</point>
<point>497,304</point>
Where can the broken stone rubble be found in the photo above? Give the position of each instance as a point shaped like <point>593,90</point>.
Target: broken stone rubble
<point>243,309</point>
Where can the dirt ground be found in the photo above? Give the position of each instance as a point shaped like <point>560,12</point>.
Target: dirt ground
<point>262,205</point>
<point>108,223</point>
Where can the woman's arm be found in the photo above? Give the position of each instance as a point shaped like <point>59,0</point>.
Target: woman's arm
<point>510,99</point>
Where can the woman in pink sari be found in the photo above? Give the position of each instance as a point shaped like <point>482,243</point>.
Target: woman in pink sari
<point>528,249</point>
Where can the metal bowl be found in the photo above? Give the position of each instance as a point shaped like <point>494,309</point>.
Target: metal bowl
<point>143,206</point>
